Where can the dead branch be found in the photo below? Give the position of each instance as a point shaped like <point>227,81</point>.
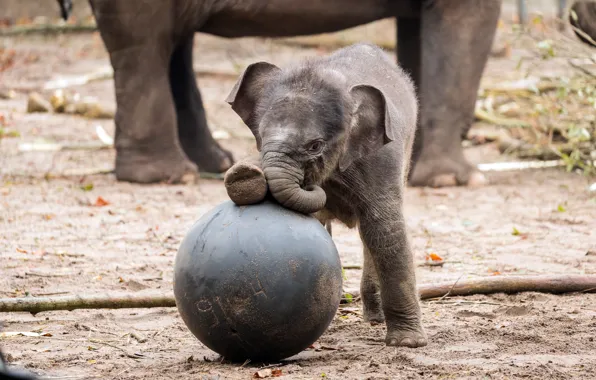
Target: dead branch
<point>555,284</point>
<point>100,301</point>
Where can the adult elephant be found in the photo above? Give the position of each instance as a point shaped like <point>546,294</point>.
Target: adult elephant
<point>583,18</point>
<point>161,129</point>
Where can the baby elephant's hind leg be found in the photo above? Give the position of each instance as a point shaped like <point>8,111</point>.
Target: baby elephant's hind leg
<point>370,292</point>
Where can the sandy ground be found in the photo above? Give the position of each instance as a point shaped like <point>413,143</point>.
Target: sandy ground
<point>54,240</point>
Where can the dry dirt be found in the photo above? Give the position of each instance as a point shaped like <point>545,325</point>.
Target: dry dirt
<point>55,241</point>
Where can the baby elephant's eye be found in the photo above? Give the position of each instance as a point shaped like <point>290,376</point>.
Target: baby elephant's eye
<point>315,147</point>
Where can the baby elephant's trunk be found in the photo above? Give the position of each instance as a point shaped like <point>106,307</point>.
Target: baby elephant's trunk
<point>284,180</point>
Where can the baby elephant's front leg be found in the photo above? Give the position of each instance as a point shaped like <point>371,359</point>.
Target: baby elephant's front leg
<point>384,234</point>
<point>245,182</point>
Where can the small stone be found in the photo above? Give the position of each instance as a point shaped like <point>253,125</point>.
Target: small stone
<point>88,107</point>
<point>36,103</point>
<point>7,94</point>
<point>59,100</point>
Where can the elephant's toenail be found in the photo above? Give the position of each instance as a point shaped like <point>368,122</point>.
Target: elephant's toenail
<point>408,342</point>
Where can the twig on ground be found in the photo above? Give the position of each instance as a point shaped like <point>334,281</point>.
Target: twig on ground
<point>93,329</point>
<point>450,290</point>
<point>133,356</point>
<point>49,294</point>
<point>582,68</point>
<point>37,274</point>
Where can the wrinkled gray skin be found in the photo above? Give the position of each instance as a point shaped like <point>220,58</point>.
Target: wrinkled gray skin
<point>583,18</point>
<point>161,130</point>
<point>335,136</point>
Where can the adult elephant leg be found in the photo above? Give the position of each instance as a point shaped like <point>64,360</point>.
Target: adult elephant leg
<point>140,43</point>
<point>193,132</point>
<point>583,17</point>
<point>409,54</point>
<point>455,42</point>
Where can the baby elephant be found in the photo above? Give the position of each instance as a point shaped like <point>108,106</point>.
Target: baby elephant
<point>335,137</point>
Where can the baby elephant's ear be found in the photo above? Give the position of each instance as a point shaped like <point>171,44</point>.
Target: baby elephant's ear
<point>370,126</point>
<point>248,90</point>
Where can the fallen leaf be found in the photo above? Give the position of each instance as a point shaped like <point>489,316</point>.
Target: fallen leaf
<point>276,372</point>
<point>494,272</point>
<point>263,374</point>
<point>516,232</point>
<point>48,217</point>
<point>91,348</point>
<point>120,279</point>
<point>433,257</point>
<point>87,187</point>
<point>91,361</point>
<point>22,250</point>
<point>100,202</point>
<point>561,208</point>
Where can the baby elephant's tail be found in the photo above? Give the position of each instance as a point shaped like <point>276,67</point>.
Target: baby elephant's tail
<point>65,8</point>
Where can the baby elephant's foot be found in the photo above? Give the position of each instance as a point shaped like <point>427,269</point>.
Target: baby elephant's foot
<point>245,183</point>
<point>406,337</point>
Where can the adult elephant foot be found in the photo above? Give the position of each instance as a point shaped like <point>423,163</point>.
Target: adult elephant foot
<point>445,172</point>
<point>207,154</point>
<point>153,166</point>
